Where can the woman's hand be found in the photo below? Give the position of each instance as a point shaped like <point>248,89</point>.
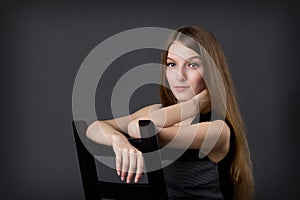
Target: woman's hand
<point>129,160</point>
<point>203,101</point>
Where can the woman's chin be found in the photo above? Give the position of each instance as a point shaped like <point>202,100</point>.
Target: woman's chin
<point>183,99</point>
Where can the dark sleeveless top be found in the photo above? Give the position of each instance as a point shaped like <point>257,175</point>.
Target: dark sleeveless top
<point>191,177</point>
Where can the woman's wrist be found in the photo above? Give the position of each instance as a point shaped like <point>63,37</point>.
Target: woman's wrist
<point>195,104</point>
<point>201,101</point>
<point>117,138</point>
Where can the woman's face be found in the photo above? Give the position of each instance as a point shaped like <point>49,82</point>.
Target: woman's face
<point>184,72</point>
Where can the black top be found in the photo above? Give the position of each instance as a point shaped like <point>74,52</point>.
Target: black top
<point>192,177</point>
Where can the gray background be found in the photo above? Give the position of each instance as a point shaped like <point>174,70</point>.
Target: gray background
<point>42,47</point>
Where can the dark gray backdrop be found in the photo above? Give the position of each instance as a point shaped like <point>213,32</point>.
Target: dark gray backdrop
<point>44,43</point>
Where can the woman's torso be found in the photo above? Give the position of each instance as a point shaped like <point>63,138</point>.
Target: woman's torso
<point>192,177</point>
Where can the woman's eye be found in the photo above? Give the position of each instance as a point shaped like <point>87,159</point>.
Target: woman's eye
<point>194,65</point>
<point>170,64</point>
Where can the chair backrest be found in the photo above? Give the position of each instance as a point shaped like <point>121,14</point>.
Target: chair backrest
<point>95,188</point>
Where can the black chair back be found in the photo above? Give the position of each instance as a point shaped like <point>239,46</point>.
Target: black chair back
<point>95,188</point>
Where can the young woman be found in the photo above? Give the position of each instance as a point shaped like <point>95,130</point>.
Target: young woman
<point>193,65</point>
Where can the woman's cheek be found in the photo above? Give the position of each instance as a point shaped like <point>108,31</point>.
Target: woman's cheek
<point>169,76</point>
<point>198,83</point>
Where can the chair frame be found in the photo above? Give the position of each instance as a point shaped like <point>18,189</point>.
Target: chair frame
<point>97,189</point>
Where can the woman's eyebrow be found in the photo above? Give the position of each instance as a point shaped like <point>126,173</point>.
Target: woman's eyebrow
<point>194,57</point>
<point>169,58</point>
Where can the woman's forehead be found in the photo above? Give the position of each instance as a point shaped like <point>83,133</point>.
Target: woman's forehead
<point>177,49</point>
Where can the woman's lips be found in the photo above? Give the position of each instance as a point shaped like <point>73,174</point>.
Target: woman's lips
<point>181,88</point>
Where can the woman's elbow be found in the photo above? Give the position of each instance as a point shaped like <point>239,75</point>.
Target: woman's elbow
<point>91,129</point>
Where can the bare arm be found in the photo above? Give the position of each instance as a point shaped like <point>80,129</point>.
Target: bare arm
<point>103,132</point>
<point>212,138</point>
<point>176,113</point>
<point>111,132</point>
<point>168,116</point>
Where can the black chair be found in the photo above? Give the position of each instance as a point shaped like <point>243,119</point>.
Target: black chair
<point>95,188</point>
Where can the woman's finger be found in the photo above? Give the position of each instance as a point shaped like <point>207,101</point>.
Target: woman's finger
<point>125,163</point>
<point>118,163</point>
<point>132,165</point>
<point>140,167</point>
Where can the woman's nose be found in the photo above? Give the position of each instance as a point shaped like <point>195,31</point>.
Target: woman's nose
<point>181,75</point>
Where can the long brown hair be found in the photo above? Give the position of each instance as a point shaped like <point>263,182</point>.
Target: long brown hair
<point>209,49</point>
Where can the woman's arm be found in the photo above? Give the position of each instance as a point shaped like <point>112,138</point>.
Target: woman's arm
<point>111,132</point>
<point>104,131</point>
<point>128,158</point>
<point>212,138</point>
<point>168,116</point>
<point>176,113</point>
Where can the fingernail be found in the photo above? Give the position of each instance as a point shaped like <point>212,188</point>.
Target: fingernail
<point>128,181</point>
<point>122,178</point>
<point>118,172</point>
